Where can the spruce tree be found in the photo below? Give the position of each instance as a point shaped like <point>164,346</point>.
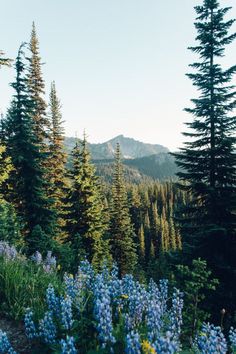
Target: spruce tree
<point>56,170</point>
<point>85,224</point>
<point>28,186</point>
<point>36,87</point>
<point>208,160</point>
<point>121,229</point>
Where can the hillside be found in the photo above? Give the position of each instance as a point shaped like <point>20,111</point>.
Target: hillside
<point>142,161</point>
<point>130,148</point>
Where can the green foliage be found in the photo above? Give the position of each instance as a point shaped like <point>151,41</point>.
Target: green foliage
<point>27,178</point>
<point>56,171</point>
<point>10,225</point>
<point>208,161</point>
<point>22,285</point>
<point>5,168</point>
<point>121,229</point>
<point>196,282</point>
<point>85,225</point>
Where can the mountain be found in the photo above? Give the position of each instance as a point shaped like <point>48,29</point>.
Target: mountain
<point>130,148</point>
<point>141,161</point>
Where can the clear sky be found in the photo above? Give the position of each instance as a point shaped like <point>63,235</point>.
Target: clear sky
<point>119,65</point>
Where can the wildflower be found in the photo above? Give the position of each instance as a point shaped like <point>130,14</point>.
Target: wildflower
<point>103,312</point>
<point>52,301</point>
<point>68,346</point>
<point>147,348</point>
<point>211,340</point>
<point>49,263</point>
<point>167,344</point>
<point>133,345</point>
<point>30,328</point>
<point>59,267</point>
<point>232,338</point>
<point>47,329</point>
<point>66,313</point>
<point>37,258</point>
<point>5,346</point>
<point>7,251</point>
<point>176,314</point>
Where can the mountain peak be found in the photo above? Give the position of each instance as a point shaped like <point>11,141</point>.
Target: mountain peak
<point>130,148</point>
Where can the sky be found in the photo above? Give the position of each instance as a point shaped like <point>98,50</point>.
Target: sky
<point>119,65</point>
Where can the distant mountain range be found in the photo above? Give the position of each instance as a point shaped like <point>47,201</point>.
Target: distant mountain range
<point>141,160</point>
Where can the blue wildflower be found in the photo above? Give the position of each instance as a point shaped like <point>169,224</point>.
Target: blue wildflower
<point>47,328</point>
<point>133,345</point>
<point>5,346</point>
<point>66,313</point>
<point>30,328</point>
<point>68,346</point>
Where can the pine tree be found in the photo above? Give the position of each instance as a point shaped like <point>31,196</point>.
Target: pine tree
<point>141,245</point>
<point>36,90</point>
<point>28,192</point>
<point>56,171</point>
<point>208,160</point>
<point>5,168</point>
<point>121,230</point>
<point>85,225</point>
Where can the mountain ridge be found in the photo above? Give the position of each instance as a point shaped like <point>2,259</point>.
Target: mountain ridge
<point>130,148</point>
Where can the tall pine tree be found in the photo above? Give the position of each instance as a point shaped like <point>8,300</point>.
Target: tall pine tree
<point>56,170</point>
<point>208,161</point>
<point>28,186</point>
<point>86,225</point>
<point>36,87</point>
<point>121,228</point>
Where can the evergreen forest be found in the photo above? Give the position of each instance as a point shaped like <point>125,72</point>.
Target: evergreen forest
<point>118,255</point>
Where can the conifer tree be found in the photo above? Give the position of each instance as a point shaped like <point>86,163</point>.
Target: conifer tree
<point>28,192</point>
<point>56,171</point>
<point>141,245</point>
<point>121,230</point>
<point>36,90</point>
<point>5,168</point>
<point>208,161</point>
<point>85,225</point>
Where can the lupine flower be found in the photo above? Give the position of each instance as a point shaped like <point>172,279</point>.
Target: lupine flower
<point>47,328</point>
<point>68,346</point>
<point>5,346</point>
<point>176,314</point>
<point>154,319</point>
<point>30,328</point>
<point>133,345</point>
<point>232,338</point>
<point>49,263</point>
<point>87,274</point>
<point>103,312</point>
<point>66,313</point>
<point>37,257</point>
<point>167,344</point>
<point>7,251</point>
<point>211,340</point>
<point>52,300</point>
